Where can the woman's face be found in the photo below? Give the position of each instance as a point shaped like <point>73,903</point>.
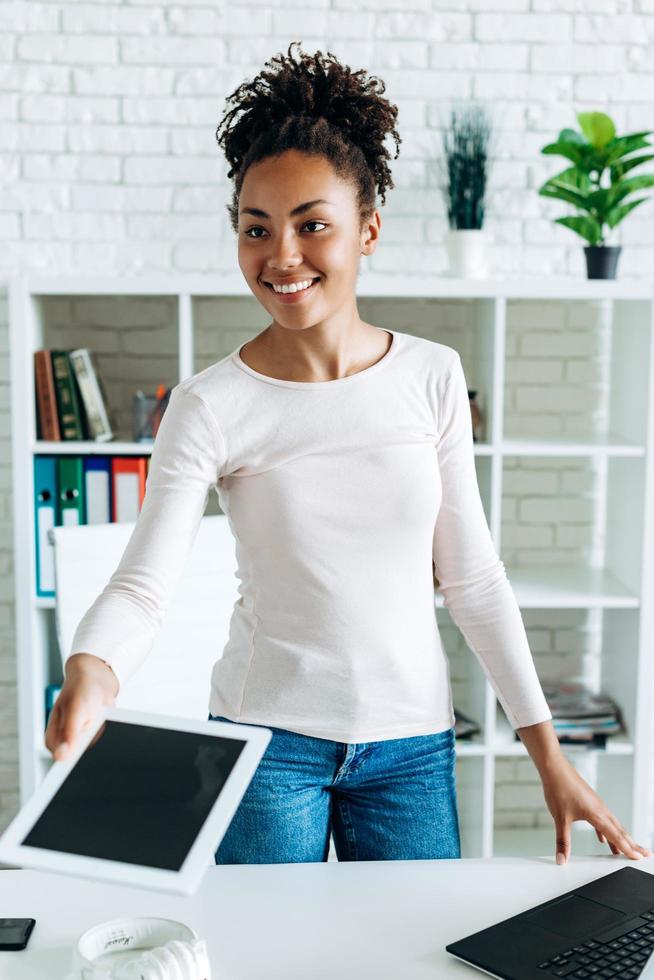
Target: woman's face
<point>321,241</point>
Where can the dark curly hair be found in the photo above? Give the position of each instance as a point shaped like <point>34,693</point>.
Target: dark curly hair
<point>318,106</point>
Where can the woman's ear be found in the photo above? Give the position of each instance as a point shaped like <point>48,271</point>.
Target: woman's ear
<point>370,234</point>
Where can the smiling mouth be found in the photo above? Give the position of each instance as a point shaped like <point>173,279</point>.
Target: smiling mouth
<point>308,288</point>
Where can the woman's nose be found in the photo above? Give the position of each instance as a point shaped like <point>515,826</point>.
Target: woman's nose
<point>285,252</point>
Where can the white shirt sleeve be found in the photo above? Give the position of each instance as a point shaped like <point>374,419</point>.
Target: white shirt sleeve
<point>122,623</point>
<point>471,576</point>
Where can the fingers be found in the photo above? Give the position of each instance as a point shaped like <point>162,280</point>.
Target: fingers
<point>622,842</point>
<point>562,842</point>
<point>50,737</point>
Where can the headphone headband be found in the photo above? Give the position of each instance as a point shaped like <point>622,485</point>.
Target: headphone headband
<point>178,953</point>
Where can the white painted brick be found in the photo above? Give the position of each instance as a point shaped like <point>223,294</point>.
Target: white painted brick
<point>544,398</point>
<point>400,54</point>
<point>117,139</point>
<point>377,5</point>
<point>637,88</point>
<point>24,17</point>
<point>549,510</point>
<point>89,227</point>
<point>9,225</point>
<point>36,108</point>
<point>413,84</point>
<point>479,57</point>
<point>536,28</point>
<point>183,20</point>
<point>34,78</point>
<point>432,27</point>
<point>106,18</point>
<point>512,796</point>
<point>520,536</point>
<point>8,106</point>
<point>519,482</point>
<point>127,199</point>
<point>125,80</point>
<point>626,30</point>
<point>26,137</point>
<point>162,50</point>
<point>190,111</point>
<point>67,50</point>
<point>173,226</point>
<point>538,370</point>
<point>167,170</point>
<point>195,141</point>
<point>582,6</point>
<point>577,58</point>
<point>541,344</point>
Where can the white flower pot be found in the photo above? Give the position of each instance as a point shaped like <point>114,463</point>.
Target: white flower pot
<point>467,252</point>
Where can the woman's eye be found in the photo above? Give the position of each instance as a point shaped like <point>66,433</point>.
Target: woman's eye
<point>259,228</point>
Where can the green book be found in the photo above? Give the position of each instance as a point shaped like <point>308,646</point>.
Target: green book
<point>68,405</point>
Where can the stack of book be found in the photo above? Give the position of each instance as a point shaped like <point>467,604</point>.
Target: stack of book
<point>464,727</point>
<point>70,401</point>
<point>581,717</point>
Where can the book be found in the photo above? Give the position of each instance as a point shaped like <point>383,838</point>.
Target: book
<point>68,405</point>
<point>99,428</point>
<point>47,415</point>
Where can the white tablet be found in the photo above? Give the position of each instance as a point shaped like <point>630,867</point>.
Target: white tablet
<point>144,799</point>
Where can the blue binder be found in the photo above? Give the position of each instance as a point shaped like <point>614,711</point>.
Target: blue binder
<point>46,516</point>
<point>97,487</point>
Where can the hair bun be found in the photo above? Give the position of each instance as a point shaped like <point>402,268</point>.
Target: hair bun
<point>315,105</point>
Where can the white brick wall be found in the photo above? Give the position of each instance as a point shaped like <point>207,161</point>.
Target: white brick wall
<point>108,163</point>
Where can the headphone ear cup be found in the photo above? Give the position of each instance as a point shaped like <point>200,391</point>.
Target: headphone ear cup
<point>176,960</point>
<point>188,961</point>
<point>168,964</point>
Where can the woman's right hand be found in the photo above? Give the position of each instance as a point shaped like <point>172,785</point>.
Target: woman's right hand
<point>89,685</point>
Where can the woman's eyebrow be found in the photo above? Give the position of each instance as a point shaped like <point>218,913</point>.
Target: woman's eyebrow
<point>258,213</point>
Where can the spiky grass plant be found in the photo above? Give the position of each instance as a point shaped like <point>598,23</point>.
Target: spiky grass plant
<point>466,146</point>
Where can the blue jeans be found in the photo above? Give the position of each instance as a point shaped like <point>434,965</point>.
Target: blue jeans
<point>382,801</point>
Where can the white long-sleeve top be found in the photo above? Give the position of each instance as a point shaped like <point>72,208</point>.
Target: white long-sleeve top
<point>339,494</point>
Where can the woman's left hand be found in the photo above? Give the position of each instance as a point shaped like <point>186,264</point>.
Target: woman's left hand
<point>569,797</point>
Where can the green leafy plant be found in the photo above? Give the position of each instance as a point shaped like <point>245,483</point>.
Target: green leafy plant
<point>466,142</point>
<point>597,184</point>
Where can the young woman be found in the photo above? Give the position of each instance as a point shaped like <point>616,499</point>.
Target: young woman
<point>343,456</point>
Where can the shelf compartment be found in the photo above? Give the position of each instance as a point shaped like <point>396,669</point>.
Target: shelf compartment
<point>134,342</point>
<point>569,445</point>
<point>470,804</point>
<point>82,447</point>
<point>505,744</point>
<point>565,588</point>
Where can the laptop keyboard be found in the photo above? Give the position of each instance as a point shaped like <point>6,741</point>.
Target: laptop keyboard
<point>621,958</point>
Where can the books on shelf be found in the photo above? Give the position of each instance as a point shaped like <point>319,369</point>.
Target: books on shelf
<point>464,727</point>
<point>70,401</point>
<point>581,717</point>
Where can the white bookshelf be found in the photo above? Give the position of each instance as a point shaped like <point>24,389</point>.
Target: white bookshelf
<point>202,319</point>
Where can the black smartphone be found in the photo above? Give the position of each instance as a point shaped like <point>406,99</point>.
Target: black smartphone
<point>14,933</point>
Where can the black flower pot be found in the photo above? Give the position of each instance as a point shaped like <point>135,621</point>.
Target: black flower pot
<point>602,260</point>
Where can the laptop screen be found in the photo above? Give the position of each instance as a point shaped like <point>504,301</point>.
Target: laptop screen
<point>137,794</point>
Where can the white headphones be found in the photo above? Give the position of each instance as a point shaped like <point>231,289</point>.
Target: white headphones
<point>178,953</point>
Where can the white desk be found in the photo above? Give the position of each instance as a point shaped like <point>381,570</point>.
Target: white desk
<point>376,920</point>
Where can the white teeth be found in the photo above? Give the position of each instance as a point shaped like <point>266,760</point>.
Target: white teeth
<point>294,287</point>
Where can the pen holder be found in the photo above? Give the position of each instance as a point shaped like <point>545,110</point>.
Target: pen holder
<point>144,416</point>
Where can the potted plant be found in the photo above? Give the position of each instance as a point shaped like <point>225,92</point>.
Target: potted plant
<point>596,184</point>
<point>466,151</point>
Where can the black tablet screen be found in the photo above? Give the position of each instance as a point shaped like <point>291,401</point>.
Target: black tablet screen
<point>137,794</point>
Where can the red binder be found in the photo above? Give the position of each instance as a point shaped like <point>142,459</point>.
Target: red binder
<point>128,476</point>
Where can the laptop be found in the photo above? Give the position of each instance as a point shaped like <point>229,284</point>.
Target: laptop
<point>603,929</point>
